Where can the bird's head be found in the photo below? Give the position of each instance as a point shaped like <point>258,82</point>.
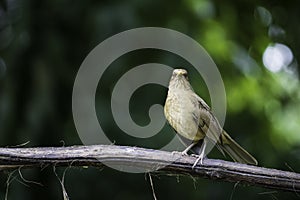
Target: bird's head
<point>179,80</point>
<point>180,73</point>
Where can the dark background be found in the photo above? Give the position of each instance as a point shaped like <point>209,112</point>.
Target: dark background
<point>43,43</point>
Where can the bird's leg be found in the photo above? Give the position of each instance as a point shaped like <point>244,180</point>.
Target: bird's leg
<point>201,155</point>
<point>184,152</point>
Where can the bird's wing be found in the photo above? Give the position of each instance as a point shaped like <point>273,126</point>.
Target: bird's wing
<point>208,123</point>
<point>201,102</point>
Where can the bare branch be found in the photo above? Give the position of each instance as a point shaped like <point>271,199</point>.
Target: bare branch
<point>148,160</point>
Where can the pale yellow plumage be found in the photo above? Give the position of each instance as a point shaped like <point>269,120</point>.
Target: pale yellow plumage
<point>192,118</point>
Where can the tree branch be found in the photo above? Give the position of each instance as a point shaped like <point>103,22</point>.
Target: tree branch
<point>140,159</point>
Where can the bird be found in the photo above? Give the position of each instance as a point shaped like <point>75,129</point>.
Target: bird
<point>192,119</point>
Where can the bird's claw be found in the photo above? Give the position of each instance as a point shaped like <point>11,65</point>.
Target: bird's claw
<point>200,158</point>
<point>184,153</point>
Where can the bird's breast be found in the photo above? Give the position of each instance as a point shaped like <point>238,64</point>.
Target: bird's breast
<point>183,115</point>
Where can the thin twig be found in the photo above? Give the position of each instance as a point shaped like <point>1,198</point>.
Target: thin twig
<point>62,183</point>
<point>152,187</point>
<point>28,181</point>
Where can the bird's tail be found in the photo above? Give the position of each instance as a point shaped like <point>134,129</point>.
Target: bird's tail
<point>235,151</point>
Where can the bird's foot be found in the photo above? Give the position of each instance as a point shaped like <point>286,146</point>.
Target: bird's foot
<point>185,152</point>
<point>200,158</point>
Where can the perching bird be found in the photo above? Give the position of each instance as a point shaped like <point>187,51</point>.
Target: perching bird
<point>192,119</point>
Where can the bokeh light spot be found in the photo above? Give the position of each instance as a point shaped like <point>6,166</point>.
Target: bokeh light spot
<point>277,56</point>
<point>263,15</point>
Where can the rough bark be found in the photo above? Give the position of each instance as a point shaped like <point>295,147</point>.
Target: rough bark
<point>148,160</point>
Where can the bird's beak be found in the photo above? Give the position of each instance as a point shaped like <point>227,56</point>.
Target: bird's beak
<point>180,72</point>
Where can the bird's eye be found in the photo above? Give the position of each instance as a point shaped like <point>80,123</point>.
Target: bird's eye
<point>185,75</point>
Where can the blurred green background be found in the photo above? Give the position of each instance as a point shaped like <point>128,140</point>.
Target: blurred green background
<point>255,44</point>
